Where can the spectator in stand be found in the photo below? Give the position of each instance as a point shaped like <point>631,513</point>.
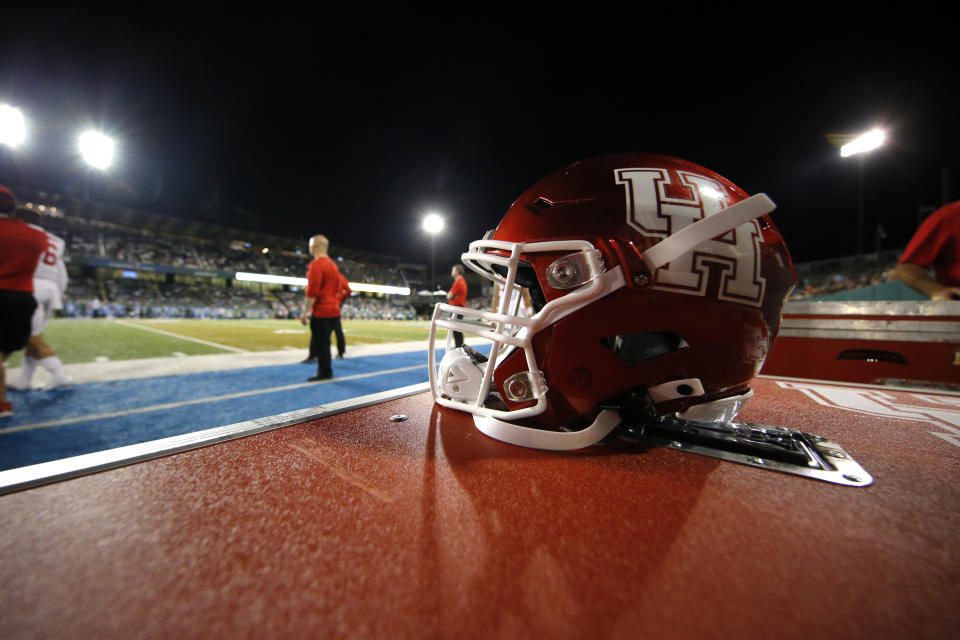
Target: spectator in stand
<point>20,248</point>
<point>935,245</point>
<point>457,296</point>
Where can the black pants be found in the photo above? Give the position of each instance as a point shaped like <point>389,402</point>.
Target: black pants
<point>16,310</point>
<point>457,336</point>
<point>320,330</point>
<point>341,341</point>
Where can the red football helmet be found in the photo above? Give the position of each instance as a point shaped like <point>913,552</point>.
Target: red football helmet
<point>656,288</point>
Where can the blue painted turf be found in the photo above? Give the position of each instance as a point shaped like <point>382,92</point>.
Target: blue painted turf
<point>81,435</point>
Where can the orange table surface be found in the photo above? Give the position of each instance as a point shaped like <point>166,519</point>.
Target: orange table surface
<point>357,526</point>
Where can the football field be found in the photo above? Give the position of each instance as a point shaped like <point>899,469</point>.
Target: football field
<point>101,340</point>
<point>138,381</point>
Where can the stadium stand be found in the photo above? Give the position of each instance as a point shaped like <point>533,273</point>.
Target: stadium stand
<point>858,277</point>
<point>135,264</point>
<point>132,264</point>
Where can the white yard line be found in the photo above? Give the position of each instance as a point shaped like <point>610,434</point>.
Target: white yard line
<point>174,405</point>
<point>106,371</point>
<point>181,336</point>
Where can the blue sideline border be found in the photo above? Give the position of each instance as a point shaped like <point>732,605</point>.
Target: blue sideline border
<point>48,472</point>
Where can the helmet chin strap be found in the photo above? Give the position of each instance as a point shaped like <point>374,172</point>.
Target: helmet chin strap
<point>604,423</point>
<point>691,236</point>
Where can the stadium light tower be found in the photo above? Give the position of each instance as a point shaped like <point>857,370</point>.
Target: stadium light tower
<point>13,128</point>
<point>860,146</point>
<point>96,149</point>
<point>863,143</point>
<point>432,224</point>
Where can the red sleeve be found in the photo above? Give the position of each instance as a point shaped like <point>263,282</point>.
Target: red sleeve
<point>937,244</point>
<point>934,241</point>
<point>326,285</point>
<point>20,248</point>
<point>314,279</point>
<point>459,291</point>
<point>925,245</point>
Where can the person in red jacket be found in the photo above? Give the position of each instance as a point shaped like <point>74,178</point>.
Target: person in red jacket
<point>321,305</point>
<point>935,245</point>
<point>20,249</point>
<point>457,296</point>
<point>345,292</point>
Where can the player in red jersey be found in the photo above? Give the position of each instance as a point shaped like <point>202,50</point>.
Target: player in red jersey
<point>321,305</point>
<point>20,249</point>
<point>49,285</point>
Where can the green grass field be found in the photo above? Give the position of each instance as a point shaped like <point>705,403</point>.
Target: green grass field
<point>87,340</point>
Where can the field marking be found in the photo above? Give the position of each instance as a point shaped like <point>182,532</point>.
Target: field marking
<point>182,337</point>
<point>185,403</point>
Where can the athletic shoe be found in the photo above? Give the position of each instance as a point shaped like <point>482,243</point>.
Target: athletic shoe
<point>318,377</point>
<point>59,381</point>
<point>308,361</point>
<point>6,409</point>
<point>339,356</point>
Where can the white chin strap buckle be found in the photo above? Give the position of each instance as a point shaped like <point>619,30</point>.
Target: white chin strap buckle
<point>459,376</point>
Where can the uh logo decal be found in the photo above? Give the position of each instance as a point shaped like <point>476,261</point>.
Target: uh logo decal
<point>940,410</point>
<point>661,203</point>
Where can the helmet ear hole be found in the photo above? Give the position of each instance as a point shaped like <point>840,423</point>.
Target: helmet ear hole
<point>543,204</point>
<point>640,347</point>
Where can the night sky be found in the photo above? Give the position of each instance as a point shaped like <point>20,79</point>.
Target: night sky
<point>353,123</point>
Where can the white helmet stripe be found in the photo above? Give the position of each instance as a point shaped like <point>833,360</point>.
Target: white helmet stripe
<point>707,228</point>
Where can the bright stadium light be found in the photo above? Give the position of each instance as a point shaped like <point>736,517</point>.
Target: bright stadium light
<point>13,128</point>
<point>433,223</point>
<point>860,146</point>
<point>96,149</point>
<point>866,142</point>
<point>269,279</point>
<point>363,287</point>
